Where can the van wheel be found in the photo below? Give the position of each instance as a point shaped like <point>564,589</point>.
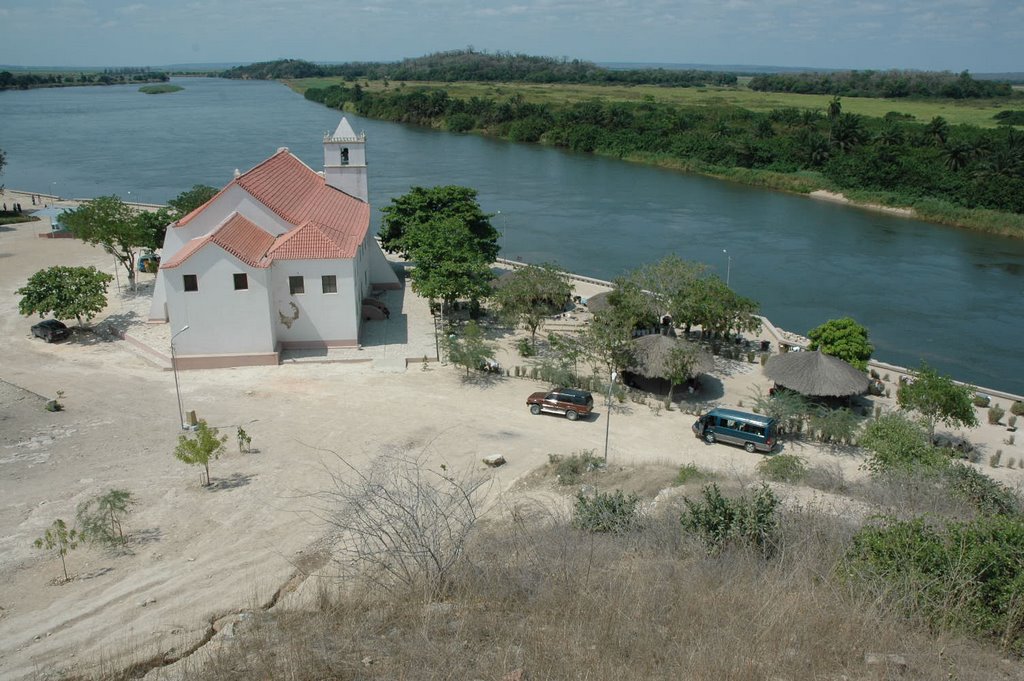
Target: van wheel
<point>535,409</point>
<point>709,437</point>
<point>572,415</point>
<point>749,447</point>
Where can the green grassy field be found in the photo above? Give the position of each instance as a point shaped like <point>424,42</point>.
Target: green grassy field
<point>973,112</point>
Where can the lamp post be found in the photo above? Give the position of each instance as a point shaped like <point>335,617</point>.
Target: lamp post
<point>728,266</point>
<point>174,369</point>
<point>608,416</point>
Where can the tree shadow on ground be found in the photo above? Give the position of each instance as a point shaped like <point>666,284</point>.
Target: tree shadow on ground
<point>233,481</point>
<point>484,380</point>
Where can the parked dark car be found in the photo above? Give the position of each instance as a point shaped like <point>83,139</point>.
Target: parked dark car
<point>50,330</point>
<point>569,402</point>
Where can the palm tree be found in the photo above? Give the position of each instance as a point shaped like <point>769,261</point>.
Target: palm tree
<point>835,108</point>
<point>847,132</point>
<point>957,155</point>
<point>937,129</point>
<point>889,136</point>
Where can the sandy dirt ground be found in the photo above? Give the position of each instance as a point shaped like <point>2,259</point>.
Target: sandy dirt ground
<point>197,554</point>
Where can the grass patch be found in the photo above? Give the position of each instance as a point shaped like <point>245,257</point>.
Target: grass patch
<point>783,468</point>
<point>159,89</point>
<point>693,473</point>
<point>569,470</point>
<point>979,112</point>
<point>15,219</point>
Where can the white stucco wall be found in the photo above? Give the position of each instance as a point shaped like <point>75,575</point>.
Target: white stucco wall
<point>235,199</point>
<point>221,320</point>
<point>381,272</point>
<point>315,317</point>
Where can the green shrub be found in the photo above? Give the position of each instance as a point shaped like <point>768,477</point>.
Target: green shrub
<point>525,348</point>
<point>995,414</point>
<point>963,576</point>
<point>691,472</point>
<point>570,470</point>
<point>1017,408</point>
<point>982,492</point>
<point>783,468</point>
<point>898,444</point>
<point>981,400</point>
<point>606,512</point>
<point>745,520</point>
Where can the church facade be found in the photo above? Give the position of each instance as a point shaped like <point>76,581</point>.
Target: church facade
<point>280,258</point>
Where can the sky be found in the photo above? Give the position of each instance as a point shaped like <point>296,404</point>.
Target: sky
<point>981,36</point>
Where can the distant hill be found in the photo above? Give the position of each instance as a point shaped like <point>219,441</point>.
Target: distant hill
<point>470,65</point>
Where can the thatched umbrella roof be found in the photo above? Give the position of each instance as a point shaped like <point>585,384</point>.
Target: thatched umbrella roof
<point>652,353</point>
<point>816,374</point>
<point>502,280</point>
<point>599,301</point>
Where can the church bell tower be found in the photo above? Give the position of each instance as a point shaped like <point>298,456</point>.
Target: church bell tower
<point>345,161</point>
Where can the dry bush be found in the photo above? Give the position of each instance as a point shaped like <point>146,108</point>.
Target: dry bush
<point>400,523</point>
<point>536,595</point>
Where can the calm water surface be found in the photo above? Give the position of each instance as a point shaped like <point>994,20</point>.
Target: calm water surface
<point>926,292</point>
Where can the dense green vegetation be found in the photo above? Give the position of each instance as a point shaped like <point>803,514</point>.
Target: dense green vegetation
<point>25,81</point>
<point>889,84</point>
<point>934,167</point>
<point>159,89</point>
<point>463,65</point>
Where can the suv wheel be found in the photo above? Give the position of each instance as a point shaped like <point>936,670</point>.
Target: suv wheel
<point>572,415</point>
<point>709,437</point>
<point>535,409</point>
<point>750,447</point>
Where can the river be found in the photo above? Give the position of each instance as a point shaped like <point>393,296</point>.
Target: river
<point>944,295</point>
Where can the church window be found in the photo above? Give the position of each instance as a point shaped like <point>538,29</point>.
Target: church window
<point>296,285</point>
<point>344,156</point>
<point>241,281</point>
<point>191,282</point>
<point>329,282</point>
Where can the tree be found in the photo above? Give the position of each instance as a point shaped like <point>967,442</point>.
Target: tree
<point>679,365</point>
<point>207,444</point>
<point>65,292</point>
<point>448,264</point>
<point>938,398</point>
<point>937,130</point>
<point>58,537</point>
<point>672,281</point>
<point>606,340</point>
<point>843,338</point>
<point>835,108</point>
<point>422,206</point>
<point>187,201</point>
<point>154,225</point>
<point>109,222</point>
<point>101,517</point>
<point>720,310</point>
<point>898,444</point>
<point>529,294</point>
<point>471,350</point>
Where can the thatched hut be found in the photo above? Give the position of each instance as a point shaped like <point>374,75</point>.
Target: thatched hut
<point>598,301</point>
<point>816,374</point>
<point>652,354</point>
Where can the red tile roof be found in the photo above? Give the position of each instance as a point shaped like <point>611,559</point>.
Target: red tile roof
<point>238,236</point>
<point>299,195</point>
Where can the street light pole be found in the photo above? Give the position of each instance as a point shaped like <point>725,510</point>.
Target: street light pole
<point>174,369</point>
<point>608,416</point>
<point>728,266</point>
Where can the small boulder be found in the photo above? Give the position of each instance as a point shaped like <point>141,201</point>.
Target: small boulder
<point>494,460</point>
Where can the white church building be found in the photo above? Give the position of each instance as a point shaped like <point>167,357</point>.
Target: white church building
<point>281,258</point>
